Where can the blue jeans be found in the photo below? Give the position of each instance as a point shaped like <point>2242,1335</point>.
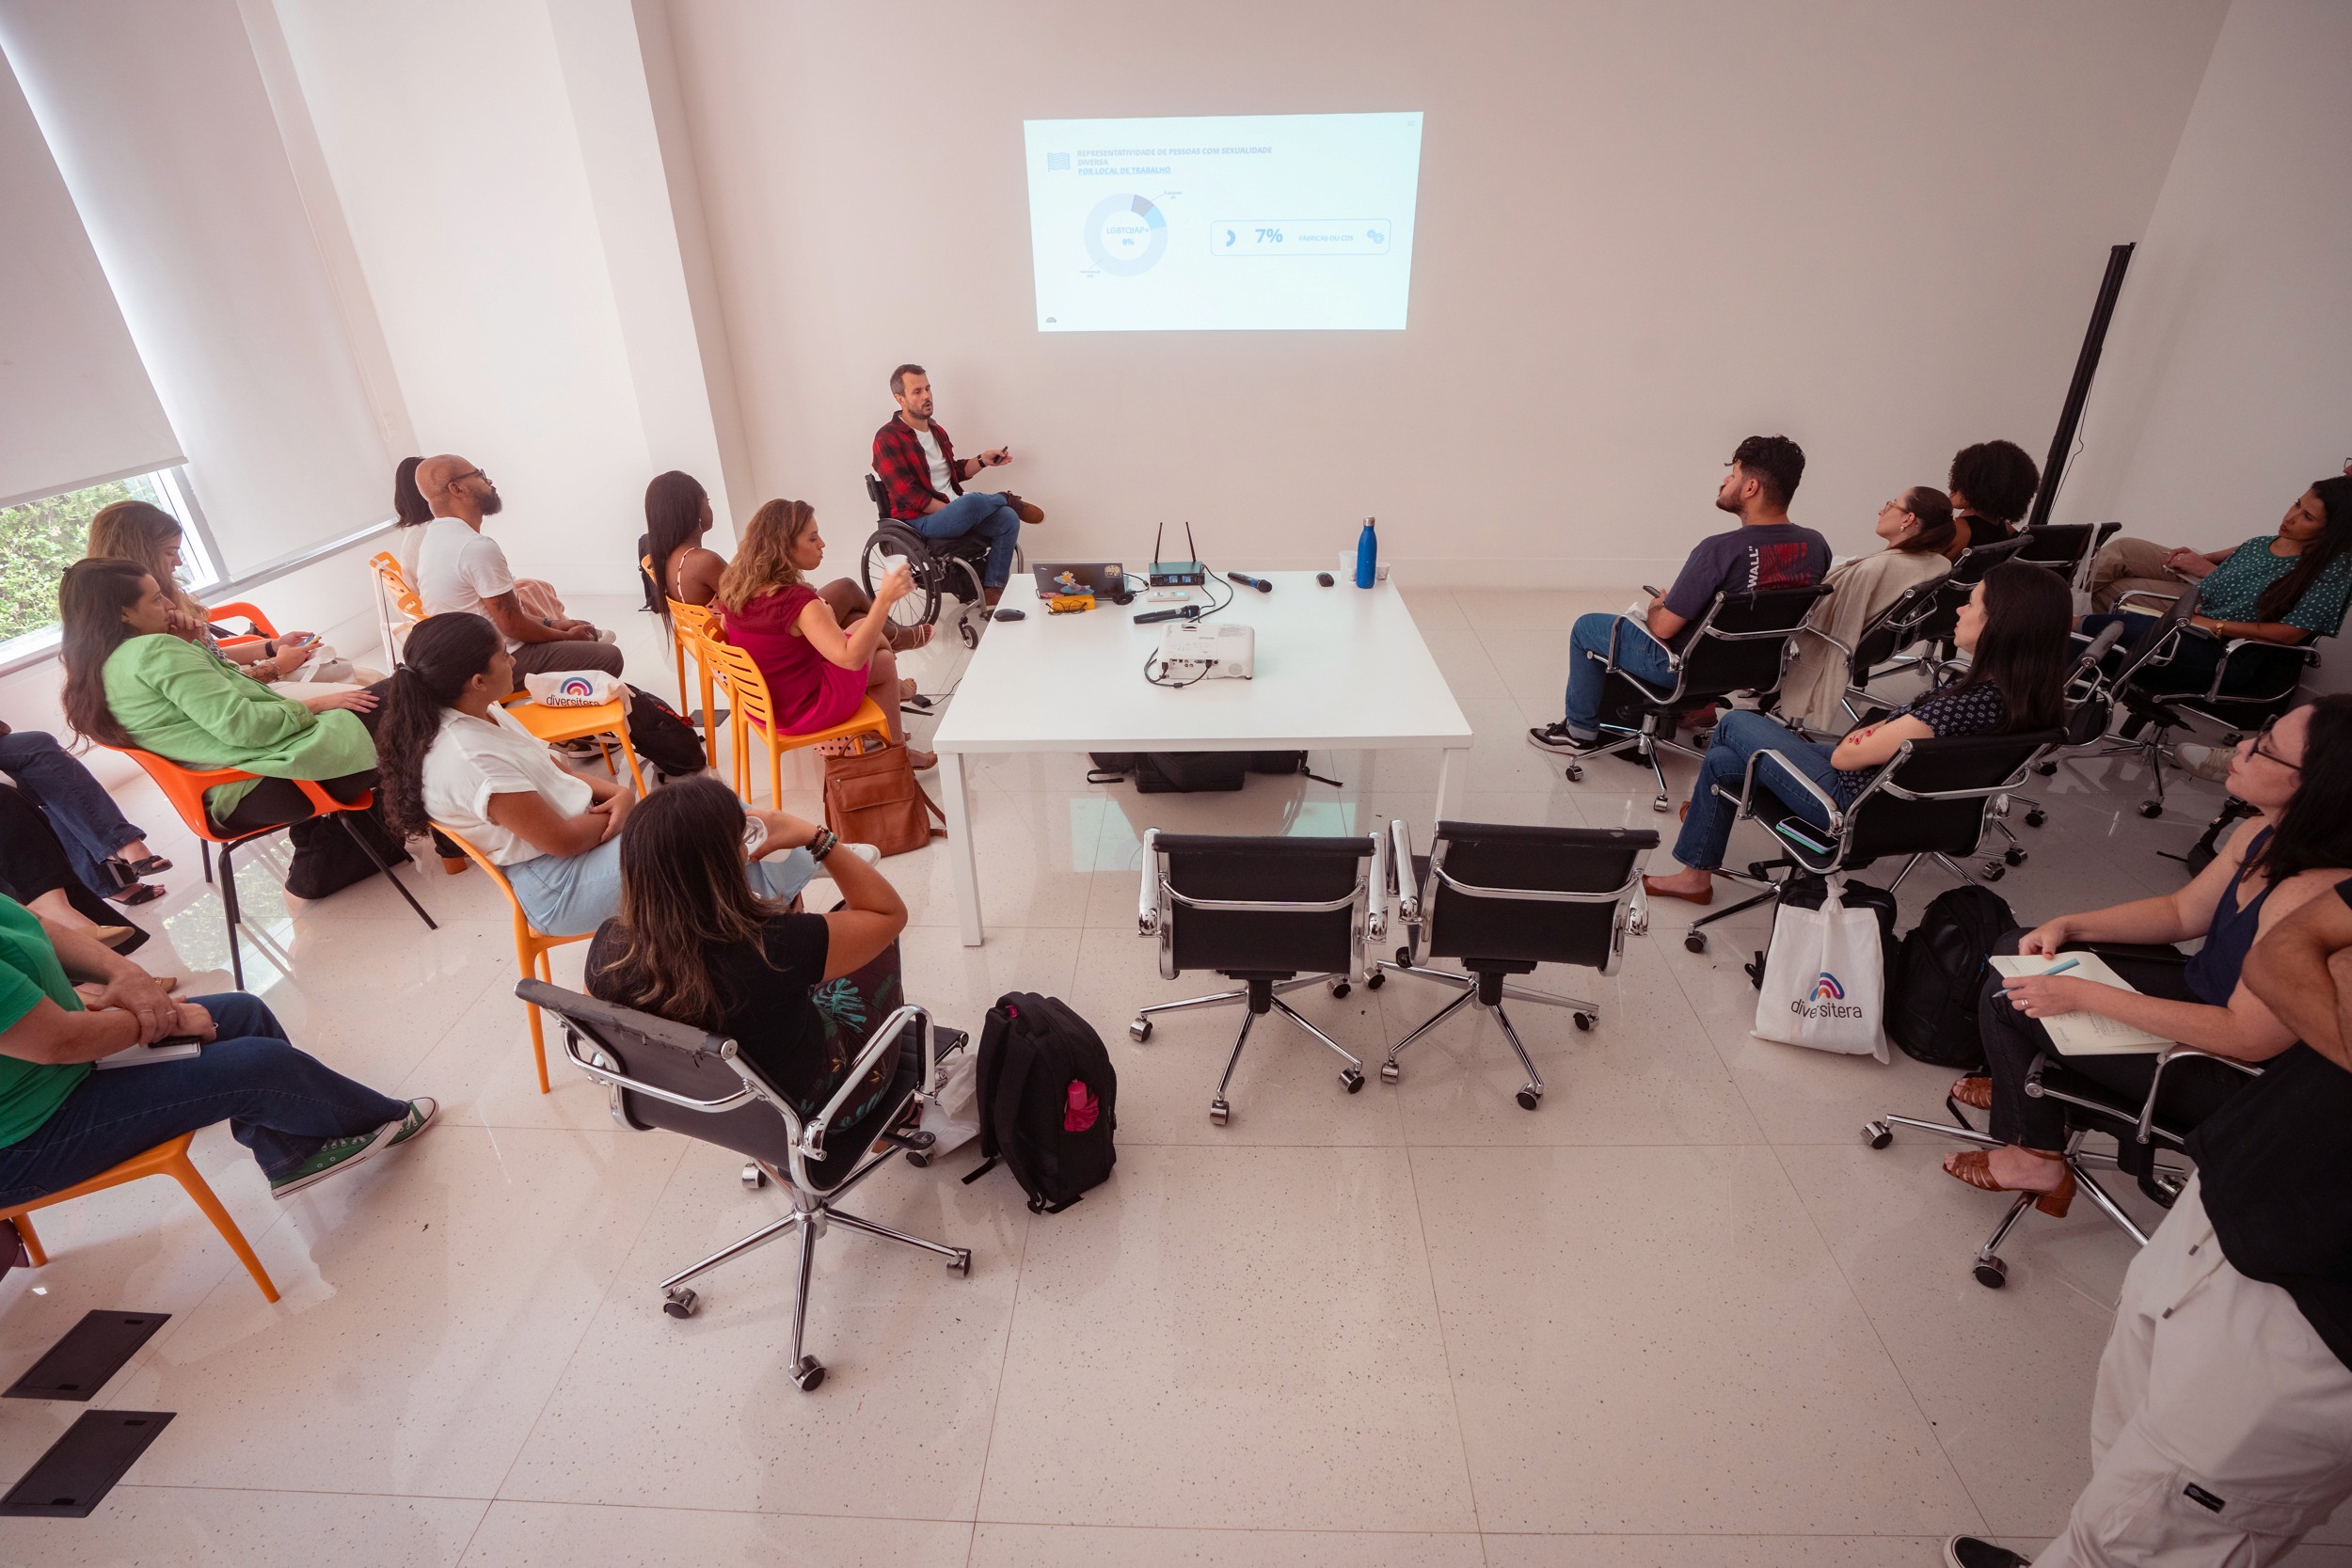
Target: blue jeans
<point>977,512</point>
<point>76,804</point>
<point>1738,736</point>
<point>570,895</point>
<point>280,1102</point>
<point>1638,653</point>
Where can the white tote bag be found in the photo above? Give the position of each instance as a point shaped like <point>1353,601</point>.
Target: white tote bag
<point>1825,980</point>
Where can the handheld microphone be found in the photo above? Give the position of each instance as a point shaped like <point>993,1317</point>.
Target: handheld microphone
<point>1184,613</point>
<point>1259,583</point>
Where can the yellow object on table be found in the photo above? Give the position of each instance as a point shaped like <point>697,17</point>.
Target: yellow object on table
<point>1068,604</point>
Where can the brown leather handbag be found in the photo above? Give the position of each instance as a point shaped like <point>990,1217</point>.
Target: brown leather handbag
<point>871,798</point>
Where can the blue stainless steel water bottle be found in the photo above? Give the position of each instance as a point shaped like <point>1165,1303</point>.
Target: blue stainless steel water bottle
<point>1367,556</point>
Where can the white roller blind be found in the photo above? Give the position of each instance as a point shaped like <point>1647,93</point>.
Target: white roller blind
<point>74,399</point>
<point>162,127</point>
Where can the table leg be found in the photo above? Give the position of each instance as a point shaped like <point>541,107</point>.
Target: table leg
<point>1452,770</point>
<point>966,870</point>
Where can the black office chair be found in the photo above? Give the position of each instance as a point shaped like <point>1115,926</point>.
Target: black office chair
<point>2189,1086</point>
<point>945,571</point>
<point>2065,549</point>
<point>1941,624</point>
<point>1738,643</point>
<point>1930,800</point>
<point>2089,708</point>
<point>2253,682</point>
<point>1501,899</point>
<point>674,1076</point>
<point>1277,914</point>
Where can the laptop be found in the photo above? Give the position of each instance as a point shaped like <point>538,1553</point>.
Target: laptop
<point>1104,579</point>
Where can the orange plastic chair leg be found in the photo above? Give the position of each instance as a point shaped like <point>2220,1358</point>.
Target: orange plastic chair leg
<point>192,1182</point>
<point>524,956</point>
<point>710,727</point>
<point>32,1243</point>
<point>775,775</point>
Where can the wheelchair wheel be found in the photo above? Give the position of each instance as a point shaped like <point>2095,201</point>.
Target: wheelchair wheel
<point>892,543</point>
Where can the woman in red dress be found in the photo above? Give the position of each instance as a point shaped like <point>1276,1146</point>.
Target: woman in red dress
<point>817,668</point>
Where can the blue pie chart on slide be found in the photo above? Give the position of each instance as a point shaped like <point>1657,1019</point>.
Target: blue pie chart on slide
<point>1126,235</point>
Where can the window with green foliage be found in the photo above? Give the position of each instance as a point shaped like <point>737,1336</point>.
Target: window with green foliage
<point>40,539</point>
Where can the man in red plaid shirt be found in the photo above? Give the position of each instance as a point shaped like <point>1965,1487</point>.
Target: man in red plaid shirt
<point>923,478</point>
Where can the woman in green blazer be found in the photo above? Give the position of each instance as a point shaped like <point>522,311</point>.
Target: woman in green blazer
<point>133,679</point>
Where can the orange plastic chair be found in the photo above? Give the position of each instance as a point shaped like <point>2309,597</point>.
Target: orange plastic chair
<point>164,1159</point>
<point>185,788</point>
<point>755,715</point>
<point>264,628</point>
<point>556,725</point>
<point>532,945</point>
<point>689,632</point>
<point>395,586</point>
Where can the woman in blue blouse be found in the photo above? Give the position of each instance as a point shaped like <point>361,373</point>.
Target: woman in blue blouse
<point>2013,627</point>
<point>2286,588</point>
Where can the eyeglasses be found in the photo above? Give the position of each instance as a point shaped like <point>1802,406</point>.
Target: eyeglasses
<point>470,473</point>
<point>2262,749</point>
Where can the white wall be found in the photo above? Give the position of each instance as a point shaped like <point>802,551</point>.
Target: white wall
<point>2225,390</point>
<point>497,163</point>
<point>1645,232</point>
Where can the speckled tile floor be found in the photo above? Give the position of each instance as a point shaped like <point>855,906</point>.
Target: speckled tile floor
<point>1681,1315</point>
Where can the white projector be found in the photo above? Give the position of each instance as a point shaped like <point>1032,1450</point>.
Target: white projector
<point>1226,651</point>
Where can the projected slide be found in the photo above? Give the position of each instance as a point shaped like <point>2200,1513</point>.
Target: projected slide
<point>1232,222</point>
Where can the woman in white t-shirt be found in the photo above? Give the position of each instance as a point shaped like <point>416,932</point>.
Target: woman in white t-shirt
<point>451,756</point>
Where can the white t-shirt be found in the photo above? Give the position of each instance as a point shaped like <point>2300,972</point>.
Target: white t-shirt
<point>460,568</point>
<point>942,480</point>
<point>472,759</point>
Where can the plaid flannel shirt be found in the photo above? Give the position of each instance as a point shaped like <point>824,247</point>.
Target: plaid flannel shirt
<point>906,473</point>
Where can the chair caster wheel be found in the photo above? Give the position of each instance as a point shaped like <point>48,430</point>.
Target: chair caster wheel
<point>962,1263</point>
<point>1694,943</point>
<point>971,640</point>
<point>2037,816</point>
<point>1877,1135</point>
<point>1220,1113</point>
<point>809,1374</point>
<point>679,1304</point>
<point>1993,871</point>
<point>1576,773</point>
<point>1353,1079</point>
<point>1139,1031</point>
<point>2013,855</point>
<point>1390,1073</point>
<point>1990,1273</point>
<point>1529,1100</point>
<point>2151,808</point>
<point>1404,958</point>
<point>1583,1022</point>
<point>916,1157</point>
<point>2045,769</point>
<point>754,1178</point>
<point>1661,803</point>
<point>1379,978</point>
<point>1341,988</point>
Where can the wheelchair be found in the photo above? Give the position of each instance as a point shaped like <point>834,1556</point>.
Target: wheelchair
<point>946,571</point>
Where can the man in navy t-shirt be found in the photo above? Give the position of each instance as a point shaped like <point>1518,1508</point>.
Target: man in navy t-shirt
<point>1766,550</point>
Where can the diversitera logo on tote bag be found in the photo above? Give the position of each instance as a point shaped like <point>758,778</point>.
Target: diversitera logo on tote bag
<point>1824,981</point>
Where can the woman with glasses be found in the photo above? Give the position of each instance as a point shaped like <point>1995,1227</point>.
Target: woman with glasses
<point>2298,776</point>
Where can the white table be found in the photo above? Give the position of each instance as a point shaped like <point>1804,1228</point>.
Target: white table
<point>1338,669</point>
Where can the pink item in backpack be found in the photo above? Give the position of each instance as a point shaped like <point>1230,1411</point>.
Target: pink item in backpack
<point>1081,1107</point>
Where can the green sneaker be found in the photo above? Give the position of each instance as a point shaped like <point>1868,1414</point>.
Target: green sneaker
<point>342,1154</point>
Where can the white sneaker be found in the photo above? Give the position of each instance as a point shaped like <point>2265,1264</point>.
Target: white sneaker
<point>2206,762</point>
<point>866,852</point>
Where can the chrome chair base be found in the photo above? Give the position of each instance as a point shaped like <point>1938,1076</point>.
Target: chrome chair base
<point>810,1216</point>
<point>1645,743</point>
<point>1221,1110</point>
<point>1531,1094</point>
<point>1987,1267</point>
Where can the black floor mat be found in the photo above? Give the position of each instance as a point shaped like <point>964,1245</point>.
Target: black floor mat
<point>82,1467</point>
<point>91,1352</point>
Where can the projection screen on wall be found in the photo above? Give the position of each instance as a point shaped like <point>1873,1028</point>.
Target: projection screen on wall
<point>1227,223</point>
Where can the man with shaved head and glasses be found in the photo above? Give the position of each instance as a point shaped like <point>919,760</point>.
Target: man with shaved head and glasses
<point>458,567</point>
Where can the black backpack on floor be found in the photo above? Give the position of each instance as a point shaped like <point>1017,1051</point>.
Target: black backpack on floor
<point>1939,970</point>
<point>1048,1100</point>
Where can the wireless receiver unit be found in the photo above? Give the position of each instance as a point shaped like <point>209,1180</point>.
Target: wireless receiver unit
<point>1177,574</point>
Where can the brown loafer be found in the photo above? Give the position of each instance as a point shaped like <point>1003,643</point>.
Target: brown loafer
<point>1029,514</point>
<point>1650,885</point>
